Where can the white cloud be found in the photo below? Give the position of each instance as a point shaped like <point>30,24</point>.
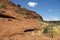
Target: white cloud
<point>32,4</point>
<point>50,10</point>
<point>46,19</point>
<point>53,18</point>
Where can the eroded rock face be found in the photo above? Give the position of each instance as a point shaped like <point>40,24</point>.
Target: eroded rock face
<point>13,21</point>
<point>18,23</point>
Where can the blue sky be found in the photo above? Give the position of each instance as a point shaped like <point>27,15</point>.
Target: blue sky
<point>48,9</point>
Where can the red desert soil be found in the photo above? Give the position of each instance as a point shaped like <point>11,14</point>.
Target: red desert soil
<point>14,20</point>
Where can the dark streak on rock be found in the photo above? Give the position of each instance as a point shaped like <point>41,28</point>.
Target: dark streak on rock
<point>6,16</point>
<point>29,30</point>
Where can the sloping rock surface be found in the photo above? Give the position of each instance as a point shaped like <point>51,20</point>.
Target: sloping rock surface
<point>15,21</point>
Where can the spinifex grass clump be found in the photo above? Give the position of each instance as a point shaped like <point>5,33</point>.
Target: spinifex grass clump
<point>55,31</point>
<point>51,30</point>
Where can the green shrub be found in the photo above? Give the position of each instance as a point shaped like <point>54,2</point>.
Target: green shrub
<point>51,31</point>
<point>3,6</point>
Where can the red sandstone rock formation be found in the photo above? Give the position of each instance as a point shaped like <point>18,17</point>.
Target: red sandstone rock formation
<point>14,20</point>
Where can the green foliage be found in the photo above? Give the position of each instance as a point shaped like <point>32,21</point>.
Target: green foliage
<point>57,23</point>
<point>3,6</point>
<point>20,12</point>
<point>52,31</point>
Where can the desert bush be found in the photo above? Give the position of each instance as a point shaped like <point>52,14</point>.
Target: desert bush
<point>3,6</point>
<point>18,11</point>
<point>51,31</point>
